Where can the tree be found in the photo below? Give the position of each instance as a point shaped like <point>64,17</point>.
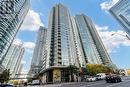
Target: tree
<point>30,80</point>
<point>98,68</point>
<point>84,71</point>
<point>72,70</point>
<point>15,82</point>
<point>4,76</point>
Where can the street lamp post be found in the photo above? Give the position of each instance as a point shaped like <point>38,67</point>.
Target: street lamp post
<point>126,36</point>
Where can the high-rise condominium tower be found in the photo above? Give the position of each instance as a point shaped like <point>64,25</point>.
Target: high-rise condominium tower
<point>70,41</point>
<point>121,12</point>
<point>13,59</point>
<point>19,71</point>
<point>39,54</point>
<point>91,45</point>
<point>60,43</point>
<point>12,14</point>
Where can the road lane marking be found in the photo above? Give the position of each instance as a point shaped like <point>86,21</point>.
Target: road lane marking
<point>118,83</point>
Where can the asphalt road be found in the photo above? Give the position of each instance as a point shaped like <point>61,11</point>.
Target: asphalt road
<point>124,83</point>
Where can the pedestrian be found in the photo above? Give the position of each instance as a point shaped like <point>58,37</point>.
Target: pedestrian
<point>77,79</point>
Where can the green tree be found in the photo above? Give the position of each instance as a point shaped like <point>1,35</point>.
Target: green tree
<point>98,68</point>
<point>84,71</point>
<point>5,75</point>
<point>72,70</point>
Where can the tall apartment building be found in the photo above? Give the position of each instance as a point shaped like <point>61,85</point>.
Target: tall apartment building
<point>12,14</point>
<point>60,43</point>
<point>91,45</point>
<point>19,71</point>
<point>71,41</point>
<point>13,59</point>
<point>81,60</point>
<point>121,12</point>
<point>39,54</point>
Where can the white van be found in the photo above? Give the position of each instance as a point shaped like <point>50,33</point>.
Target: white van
<point>100,76</point>
<point>36,82</point>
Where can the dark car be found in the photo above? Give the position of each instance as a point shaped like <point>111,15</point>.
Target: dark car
<point>6,85</point>
<point>113,78</point>
<point>25,84</point>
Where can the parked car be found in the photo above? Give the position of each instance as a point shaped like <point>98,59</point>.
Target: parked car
<point>25,84</point>
<point>91,78</point>
<point>100,76</point>
<point>6,85</point>
<point>113,78</point>
<point>29,83</point>
<point>36,82</point>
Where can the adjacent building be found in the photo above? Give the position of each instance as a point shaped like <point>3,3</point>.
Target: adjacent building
<point>39,54</point>
<point>81,60</point>
<point>92,47</point>
<point>13,59</point>
<point>12,14</point>
<point>121,12</point>
<point>19,71</point>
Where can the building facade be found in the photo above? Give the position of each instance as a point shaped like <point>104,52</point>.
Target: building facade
<point>60,41</point>
<point>81,61</point>
<point>39,54</point>
<point>91,45</point>
<point>60,45</point>
<point>121,12</point>
<point>13,59</point>
<point>70,41</point>
<point>20,68</point>
<point>12,14</point>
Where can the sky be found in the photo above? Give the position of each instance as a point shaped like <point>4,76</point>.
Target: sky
<point>117,46</point>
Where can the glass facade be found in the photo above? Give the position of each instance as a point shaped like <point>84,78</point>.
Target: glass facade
<point>13,59</point>
<point>64,33</point>
<point>71,41</point>
<point>91,44</point>
<point>121,12</point>
<point>12,14</point>
<point>80,60</point>
<point>39,55</point>
<point>60,51</point>
<point>90,53</point>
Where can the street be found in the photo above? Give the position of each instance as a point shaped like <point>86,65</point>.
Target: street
<point>124,83</point>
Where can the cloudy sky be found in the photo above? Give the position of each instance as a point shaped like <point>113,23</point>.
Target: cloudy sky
<point>117,46</point>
